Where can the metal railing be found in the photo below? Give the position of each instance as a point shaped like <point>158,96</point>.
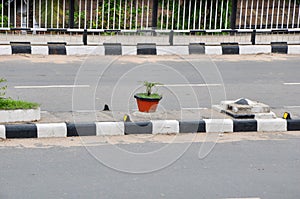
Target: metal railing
<point>163,15</point>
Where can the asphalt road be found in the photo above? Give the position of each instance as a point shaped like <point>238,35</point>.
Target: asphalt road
<point>189,82</point>
<point>256,165</point>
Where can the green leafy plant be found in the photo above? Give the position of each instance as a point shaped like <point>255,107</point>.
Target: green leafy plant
<point>3,19</point>
<point>10,104</point>
<point>3,88</point>
<point>149,88</point>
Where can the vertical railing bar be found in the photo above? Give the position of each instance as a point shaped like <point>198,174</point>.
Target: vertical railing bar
<point>278,9</point>
<point>85,14</point>
<point>241,13</point>
<point>114,18</point>
<point>298,16</point>
<point>97,13</point>
<point>27,14</point>
<point>57,14</point>
<point>79,15</point>
<point>168,8</point>
<point>226,17</point>
<point>52,14</point>
<point>46,13</point>
<point>195,13</point>
<point>22,15</point>
<point>108,15</point>
<point>272,18</point>
<point>246,12</point>
<point>40,13</point>
<point>205,12</point>
<point>130,25</point>
<point>200,15</point>
<point>173,12</point>
<point>283,10</point>
<point>210,14</point>
<point>183,14</point>
<point>251,15</point>
<point>102,15</point>
<point>262,13</point>
<point>267,17</point>
<point>190,10</point>
<point>33,14</point>
<point>221,19</point>
<point>288,16</point>
<point>256,14</point>
<point>125,14</point>
<point>15,14</point>
<point>216,14</point>
<point>136,13</point>
<point>2,13</point>
<point>120,13</point>
<point>142,17</point>
<point>147,21</point>
<point>91,15</point>
<point>294,12</point>
<point>8,13</point>
<point>162,15</point>
<point>178,15</point>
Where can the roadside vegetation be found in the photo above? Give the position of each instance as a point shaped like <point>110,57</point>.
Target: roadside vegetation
<point>11,104</point>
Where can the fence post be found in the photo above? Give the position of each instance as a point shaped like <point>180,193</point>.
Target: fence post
<point>71,19</point>
<point>233,14</point>
<point>154,14</point>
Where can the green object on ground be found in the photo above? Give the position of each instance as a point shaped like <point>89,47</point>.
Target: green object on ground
<point>152,96</point>
<point>10,104</point>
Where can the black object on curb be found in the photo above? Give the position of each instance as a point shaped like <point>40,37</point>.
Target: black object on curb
<point>106,108</point>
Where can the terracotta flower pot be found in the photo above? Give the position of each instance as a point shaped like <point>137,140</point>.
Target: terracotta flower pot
<point>148,105</point>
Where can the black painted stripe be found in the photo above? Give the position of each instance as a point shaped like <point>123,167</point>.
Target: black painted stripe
<point>81,129</point>
<point>21,131</point>
<point>196,48</point>
<point>113,48</point>
<point>293,125</point>
<point>57,48</point>
<point>138,128</point>
<point>279,47</point>
<point>244,125</point>
<point>191,126</point>
<point>146,49</point>
<point>230,48</point>
<point>20,47</point>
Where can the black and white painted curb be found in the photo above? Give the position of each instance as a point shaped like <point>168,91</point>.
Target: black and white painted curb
<point>60,48</point>
<point>10,131</point>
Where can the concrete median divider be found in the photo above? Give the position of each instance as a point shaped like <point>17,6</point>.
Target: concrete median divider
<point>60,48</point>
<point>43,130</point>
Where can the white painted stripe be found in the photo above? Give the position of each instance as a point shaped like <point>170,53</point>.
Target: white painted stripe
<point>5,50</point>
<point>2,132</point>
<point>110,128</point>
<point>271,125</point>
<point>294,49</point>
<point>213,50</point>
<point>39,50</point>
<point>194,108</point>
<point>291,84</point>
<point>291,107</point>
<point>51,130</point>
<point>189,85</point>
<point>53,86</point>
<point>254,49</point>
<point>85,50</point>
<point>165,126</point>
<point>129,50</point>
<point>172,50</point>
<point>218,125</point>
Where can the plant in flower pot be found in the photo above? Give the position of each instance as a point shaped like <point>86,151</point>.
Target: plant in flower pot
<point>148,101</point>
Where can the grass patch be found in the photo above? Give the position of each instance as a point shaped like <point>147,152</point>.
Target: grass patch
<point>10,104</point>
<point>152,96</point>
